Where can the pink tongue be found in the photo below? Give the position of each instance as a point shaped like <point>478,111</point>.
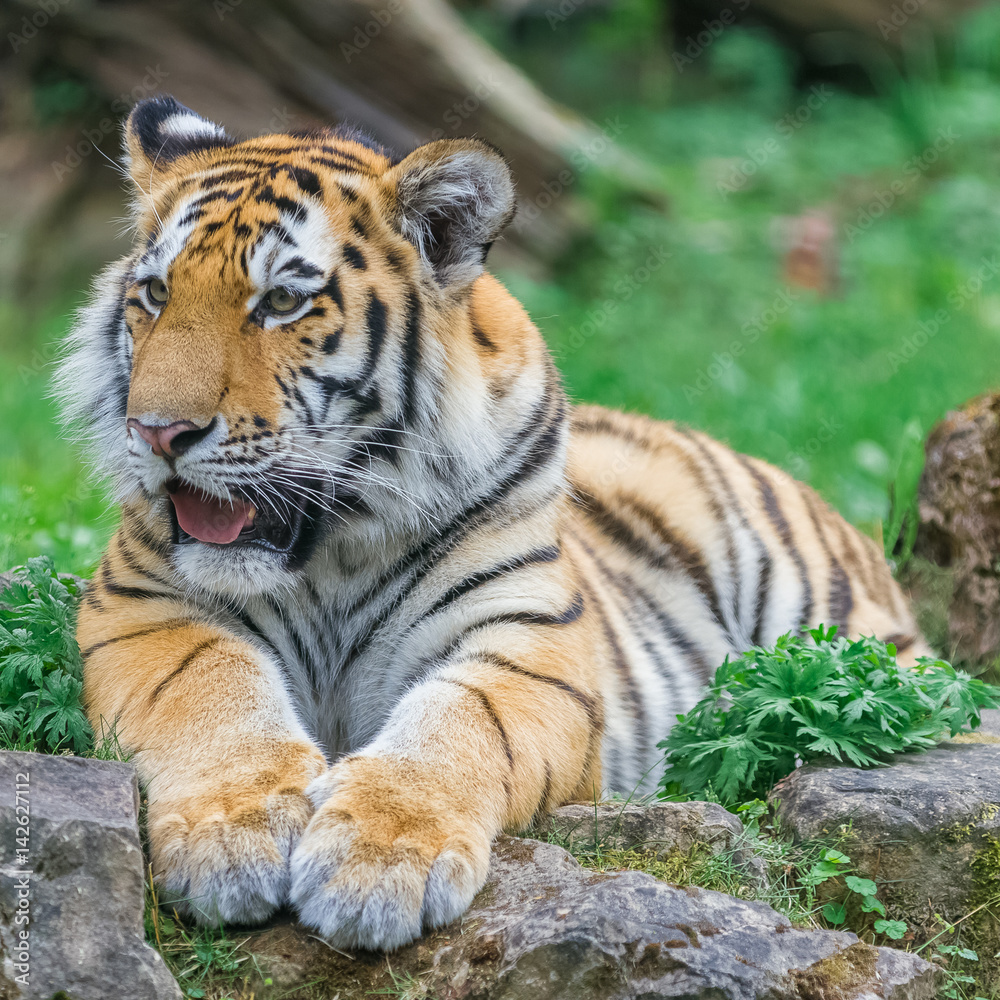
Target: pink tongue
<point>207,518</point>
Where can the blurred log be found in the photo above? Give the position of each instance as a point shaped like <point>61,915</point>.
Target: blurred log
<point>405,71</point>
<point>959,503</point>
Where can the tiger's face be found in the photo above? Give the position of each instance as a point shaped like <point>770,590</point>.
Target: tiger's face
<point>269,365</point>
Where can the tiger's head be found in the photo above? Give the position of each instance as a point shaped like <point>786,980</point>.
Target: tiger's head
<point>303,346</point>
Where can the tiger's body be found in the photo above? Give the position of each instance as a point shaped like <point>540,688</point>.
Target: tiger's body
<point>378,592</point>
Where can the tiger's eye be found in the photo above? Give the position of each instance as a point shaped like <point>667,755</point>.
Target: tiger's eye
<point>158,290</point>
<point>281,300</point>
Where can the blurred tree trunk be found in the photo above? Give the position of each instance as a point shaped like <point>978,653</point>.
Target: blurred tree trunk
<point>405,71</point>
<point>959,527</point>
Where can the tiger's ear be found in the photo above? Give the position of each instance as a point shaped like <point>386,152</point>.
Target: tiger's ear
<point>454,198</point>
<point>159,130</point>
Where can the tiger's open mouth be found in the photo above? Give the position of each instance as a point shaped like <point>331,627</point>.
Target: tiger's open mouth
<point>244,520</point>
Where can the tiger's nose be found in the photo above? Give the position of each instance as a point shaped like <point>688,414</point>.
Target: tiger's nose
<point>173,439</point>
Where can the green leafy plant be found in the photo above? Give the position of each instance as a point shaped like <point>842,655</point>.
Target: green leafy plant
<point>810,697</point>
<point>40,666</point>
<point>833,865</point>
<point>955,979</point>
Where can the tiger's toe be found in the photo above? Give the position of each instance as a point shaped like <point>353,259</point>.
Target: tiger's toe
<point>361,891</point>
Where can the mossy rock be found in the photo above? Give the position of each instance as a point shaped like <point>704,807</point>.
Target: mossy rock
<point>920,826</point>
<point>926,828</point>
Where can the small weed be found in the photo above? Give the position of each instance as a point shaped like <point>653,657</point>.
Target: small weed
<point>810,697</point>
<point>40,665</point>
<point>404,987</point>
<point>207,963</point>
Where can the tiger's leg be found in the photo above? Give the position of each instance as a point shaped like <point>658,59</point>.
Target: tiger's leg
<point>401,837</point>
<point>218,747</point>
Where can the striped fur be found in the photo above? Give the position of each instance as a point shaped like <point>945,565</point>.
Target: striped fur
<point>494,602</point>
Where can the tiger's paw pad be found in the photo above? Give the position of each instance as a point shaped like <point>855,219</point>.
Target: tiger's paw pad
<point>362,889</point>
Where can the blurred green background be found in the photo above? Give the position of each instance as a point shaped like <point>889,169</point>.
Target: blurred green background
<point>818,285</point>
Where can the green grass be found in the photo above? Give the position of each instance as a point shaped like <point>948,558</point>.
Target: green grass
<point>47,504</point>
<point>784,862</point>
<point>208,963</point>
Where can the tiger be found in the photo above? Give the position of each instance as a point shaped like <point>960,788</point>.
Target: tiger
<point>378,592</point>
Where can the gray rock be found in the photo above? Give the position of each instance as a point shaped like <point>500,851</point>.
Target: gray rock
<point>83,880</point>
<point>664,828</point>
<point>543,928</point>
<point>927,827</point>
<point>988,731</point>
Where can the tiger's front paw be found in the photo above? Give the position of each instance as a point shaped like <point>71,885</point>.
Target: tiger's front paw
<point>222,853</point>
<point>383,859</point>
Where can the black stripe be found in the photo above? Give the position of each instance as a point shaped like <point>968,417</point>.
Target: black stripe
<point>375,321</point>
<point>733,504</point>
<point>683,556</point>
<point>112,336</point>
<point>547,554</point>
<point>354,257</point>
<point>91,600</point>
<point>338,163</point>
<point>139,532</point>
<point>495,719</point>
<point>482,340</point>
<point>588,704</point>
<point>841,598</point>
<point>225,177</point>
<point>675,634</point>
<point>207,199</point>
<point>306,408</point>
<point>302,653</point>
<point>128,557</point>
<point>136,593</point>
<point>184,664</point>
<point>163,626</point>
<point>900,641</point>
<point>784,530</point>
<point>244,619</point>
<point>631,596</point>
<point>411,358</point>
<point>621,665</point>
<point>719,513</point>
<point>384,442</point>
<point>567,617</point>
<point>301,268</point>
<point>346,153</point>
<point>291,207</point>
<point>764,566</point>
<point>305,179</point>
